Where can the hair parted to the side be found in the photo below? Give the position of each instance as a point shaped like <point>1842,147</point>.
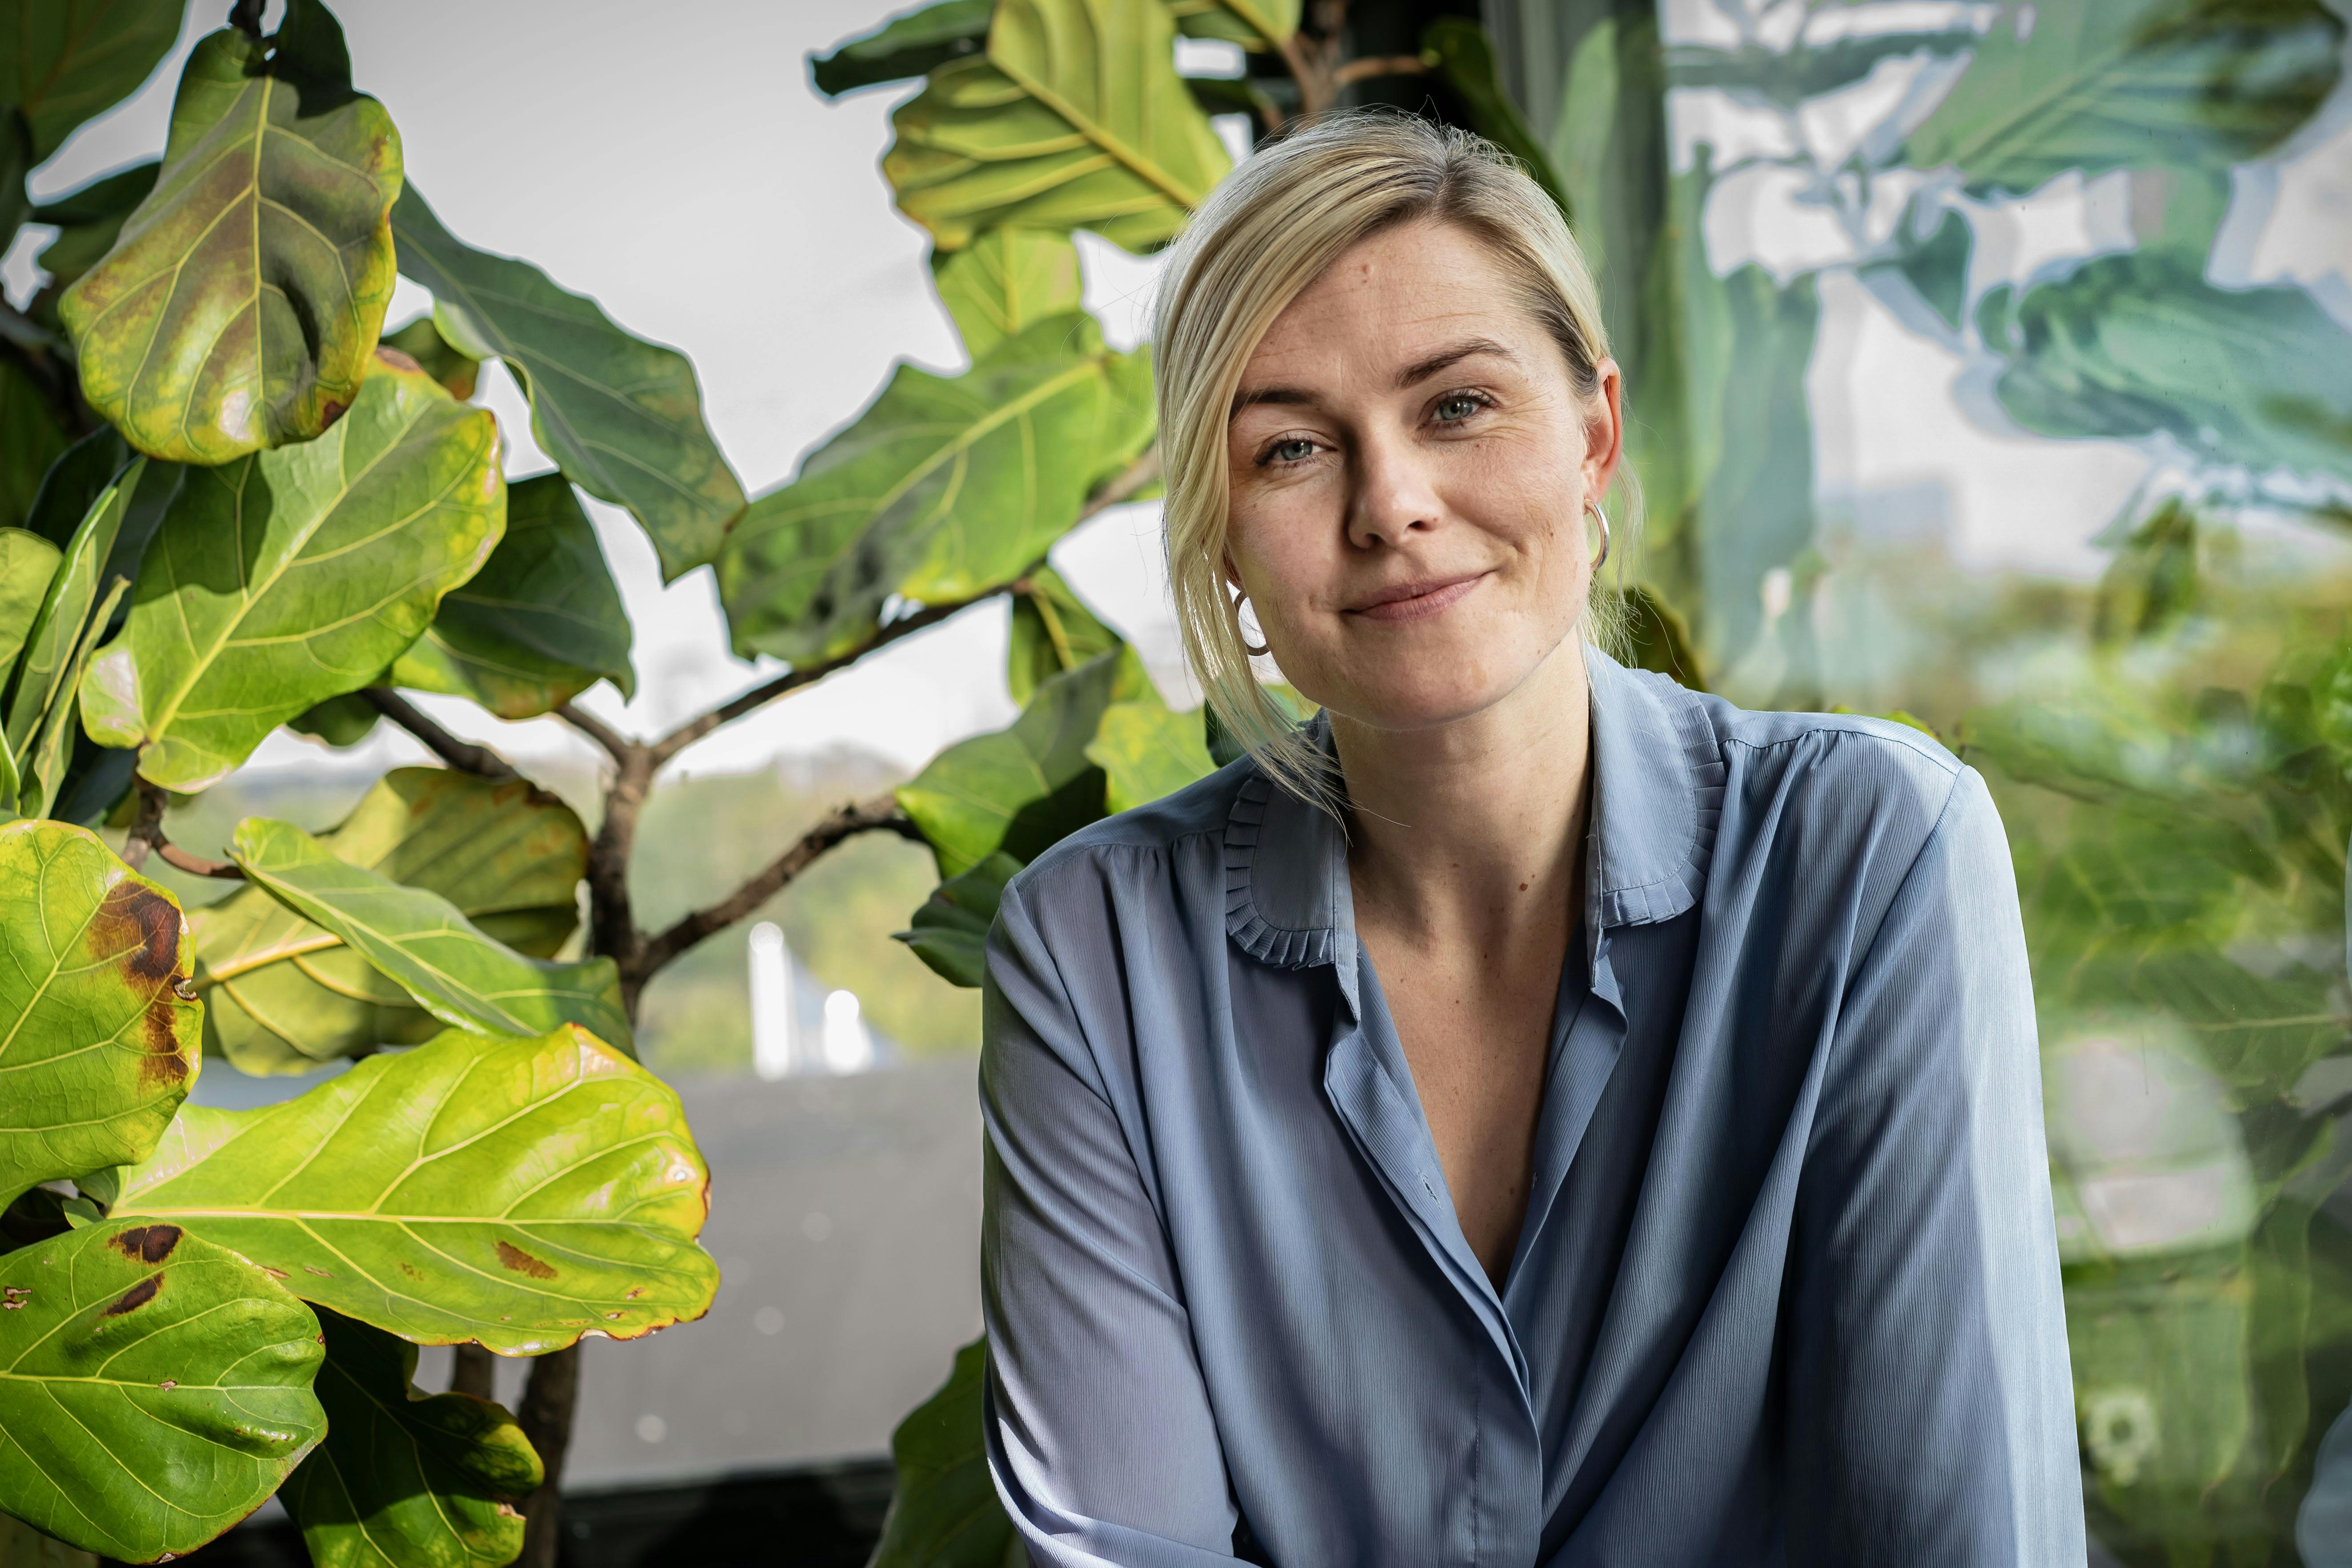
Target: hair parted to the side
<point>1291,209</point>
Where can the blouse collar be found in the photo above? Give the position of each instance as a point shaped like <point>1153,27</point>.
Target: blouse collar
<point>1658,778</point>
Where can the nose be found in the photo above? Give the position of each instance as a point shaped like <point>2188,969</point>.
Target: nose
<point>1391,493</point>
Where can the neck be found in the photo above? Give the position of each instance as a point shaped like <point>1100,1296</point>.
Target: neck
<point>1467,828</point>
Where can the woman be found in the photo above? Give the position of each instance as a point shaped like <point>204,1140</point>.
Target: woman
<point>1535,1113</point>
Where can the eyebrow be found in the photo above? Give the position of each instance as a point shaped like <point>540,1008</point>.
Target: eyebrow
<point>1412,375</point>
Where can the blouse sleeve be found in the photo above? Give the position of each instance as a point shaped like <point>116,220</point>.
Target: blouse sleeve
<point>1097,1427</point>
<point>1929,1406</point>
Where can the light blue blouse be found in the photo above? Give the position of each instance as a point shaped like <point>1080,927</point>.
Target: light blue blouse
<point>1787,1291</point>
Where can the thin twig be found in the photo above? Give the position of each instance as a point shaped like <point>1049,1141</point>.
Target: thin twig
<point>146,836</point>
<point>196,865</point>
<point>861,817</point>
<point>1378,65</point>
<point>1133,477</point>
<point>614,743</point>
<point>463,755</point>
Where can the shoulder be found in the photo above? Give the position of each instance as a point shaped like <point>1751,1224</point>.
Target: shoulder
<point>1839,792</point>
<point>1845,756</point>
<point>1135,849</point>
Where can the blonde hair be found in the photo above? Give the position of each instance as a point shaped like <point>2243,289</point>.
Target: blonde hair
<point>1287,213</point>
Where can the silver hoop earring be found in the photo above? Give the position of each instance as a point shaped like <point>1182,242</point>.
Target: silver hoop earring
<point>1233,608</point>
<point>1602,559</point>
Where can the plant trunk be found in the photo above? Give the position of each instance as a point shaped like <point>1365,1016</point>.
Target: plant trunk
<point>548,1403</point>
<point>553,1395</point>
<point>474,1371</point>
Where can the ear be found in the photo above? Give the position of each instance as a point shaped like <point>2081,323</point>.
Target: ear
<point>1604,430</point>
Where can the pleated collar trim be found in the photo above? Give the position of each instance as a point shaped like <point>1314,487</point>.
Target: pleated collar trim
<point>1658,796</point>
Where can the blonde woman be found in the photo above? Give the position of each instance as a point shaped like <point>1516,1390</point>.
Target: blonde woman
<point>1533,1114</point>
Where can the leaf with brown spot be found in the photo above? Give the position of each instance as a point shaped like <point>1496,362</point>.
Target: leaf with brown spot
<point>239,305</point>
<point>147,1406</point>
<point>404,1477</point>
<point>535,1185</point>
<point>97,1049</point>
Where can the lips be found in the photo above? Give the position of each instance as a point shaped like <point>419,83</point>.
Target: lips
<point>1416,601</point>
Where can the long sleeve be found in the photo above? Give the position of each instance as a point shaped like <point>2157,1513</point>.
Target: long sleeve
<point>1929,1405</point>
<point>1098,1429</point>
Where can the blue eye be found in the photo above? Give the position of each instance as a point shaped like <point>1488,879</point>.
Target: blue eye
<point>1457,406</point>
<point>1298,450</point>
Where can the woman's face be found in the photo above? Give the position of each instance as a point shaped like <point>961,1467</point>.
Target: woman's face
<point>1409,464</point>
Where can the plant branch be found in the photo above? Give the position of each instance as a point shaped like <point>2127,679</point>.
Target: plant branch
<point>1130,479</point>
<point>616,745</point>
<point>880,813</point>
<point>146,836</point>
<point>463,755</point>
<point>147,827</point>
<point>1370,66</point>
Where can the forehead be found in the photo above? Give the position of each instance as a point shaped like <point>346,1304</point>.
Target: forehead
<point>1390,298</point>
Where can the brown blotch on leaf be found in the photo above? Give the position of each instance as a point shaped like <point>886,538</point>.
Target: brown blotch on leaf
<point>138,1295</point>
<point>148,1243</point>
<point>333,411</point>
<point>412,1271</point>
<point>394,358</point>
<point>522,1262</point>
<point>164,1061</point>
<point>144,920</point>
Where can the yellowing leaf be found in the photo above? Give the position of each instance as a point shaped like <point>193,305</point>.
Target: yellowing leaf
<point>522,1193</point>
<point>240,303</point>
<point>1076,119</point>
<point>419,940</point>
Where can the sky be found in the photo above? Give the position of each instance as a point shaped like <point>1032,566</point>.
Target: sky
<point>683,172</point>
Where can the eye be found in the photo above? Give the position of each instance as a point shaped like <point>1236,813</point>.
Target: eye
<point>1455,406</point>
<point>1290,449</point>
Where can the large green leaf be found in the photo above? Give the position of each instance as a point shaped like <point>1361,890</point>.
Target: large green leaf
<point>66,61</point>
<point>62,622</point>
<point>27,562</point>
<point>421,941</point>
<point>1146,749</point>
<point>283,994</point>
<point>540,622</point>
<point>89,220</point>
<point>1053,630</point>
<point>155,1388</point>
<point>98,1046</point>
<point>2140,344</point>
<point>622,416</point>
<point>403,1477</point>
<point>945,1513</point>
<point>1005,281</point>
<point>295,575</point>
<point>2202,83</point>
<point>942,488</point>
<point>48,756</point>
<point>950,930</point>
<point>908,44</point>
<point>519,1192</point>
<point>1024,787</point>
<point>241,302</point>
<point>1076,119</point>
